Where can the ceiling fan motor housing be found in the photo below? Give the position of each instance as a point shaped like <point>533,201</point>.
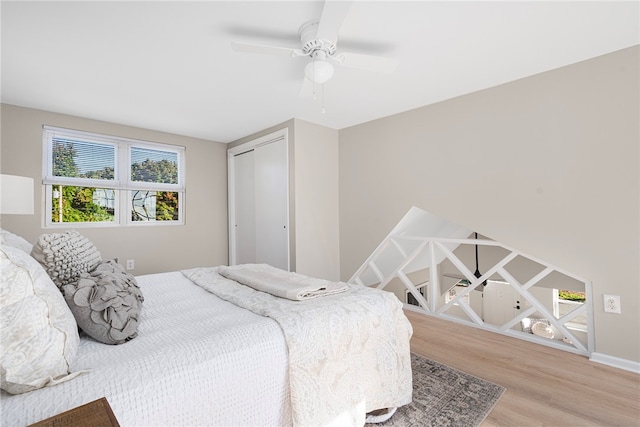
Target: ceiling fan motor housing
<point>314,46</point>
<point>310,44</point>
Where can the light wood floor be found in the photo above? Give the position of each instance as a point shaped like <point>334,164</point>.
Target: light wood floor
<point>545,386</point>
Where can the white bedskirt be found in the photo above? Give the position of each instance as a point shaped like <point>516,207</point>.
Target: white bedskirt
<point>182,369</point>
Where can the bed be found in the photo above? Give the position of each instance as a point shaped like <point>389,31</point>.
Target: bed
<point>203,359</point>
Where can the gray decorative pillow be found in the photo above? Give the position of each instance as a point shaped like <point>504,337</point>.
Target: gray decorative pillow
<point>65,256</point>
<point>106,303</point>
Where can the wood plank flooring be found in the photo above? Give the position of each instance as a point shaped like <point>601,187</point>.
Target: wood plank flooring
<point>545,386</point>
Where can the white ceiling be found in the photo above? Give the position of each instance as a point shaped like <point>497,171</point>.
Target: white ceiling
<point>169,66</point>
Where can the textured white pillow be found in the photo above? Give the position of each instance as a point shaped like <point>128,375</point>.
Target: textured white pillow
<point>38,334</point>
<point>10,239</point>
<point>65,256</point>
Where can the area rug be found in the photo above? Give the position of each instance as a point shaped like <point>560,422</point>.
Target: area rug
<point>443,396</point>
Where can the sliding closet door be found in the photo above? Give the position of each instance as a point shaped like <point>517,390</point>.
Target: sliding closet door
<point>259,202</point>
<point>245,218</point>
<point>271,204</point>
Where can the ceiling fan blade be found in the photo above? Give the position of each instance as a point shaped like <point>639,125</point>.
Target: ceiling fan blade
<point>252,33</point>
<point>378,64</point>
<point>269,50</point>
<point>333,14</point>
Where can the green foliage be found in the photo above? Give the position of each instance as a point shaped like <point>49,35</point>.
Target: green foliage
<point>166,206</point>
<point>572,296</point>
<point>64,160</point>
<point>162,171</point>
<point>106,173</point>
<point>77,204</point>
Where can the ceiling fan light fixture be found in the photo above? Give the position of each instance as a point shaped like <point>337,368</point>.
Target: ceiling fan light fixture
<point>319,71</point>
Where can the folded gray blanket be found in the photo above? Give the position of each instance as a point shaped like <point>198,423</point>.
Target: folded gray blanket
<point>281,283</point>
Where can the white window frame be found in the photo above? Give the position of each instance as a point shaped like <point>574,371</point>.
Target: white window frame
<point>122,183</point>
<point>576,326</point>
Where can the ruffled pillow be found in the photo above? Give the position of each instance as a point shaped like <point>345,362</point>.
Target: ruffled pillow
<point>65,256</point>
<point>38,334</point>
<point>106,303</point>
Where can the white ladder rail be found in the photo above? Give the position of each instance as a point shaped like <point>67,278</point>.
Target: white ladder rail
<point>431,304</point>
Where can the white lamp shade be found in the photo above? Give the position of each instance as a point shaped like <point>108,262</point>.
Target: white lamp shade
<point>17,195</point>
<point>319,71</point>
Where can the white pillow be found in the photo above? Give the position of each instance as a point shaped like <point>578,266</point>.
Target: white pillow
<point>10,239</point>
<point>542,330</point>
<point>65,256</point>
<point>38,334</point>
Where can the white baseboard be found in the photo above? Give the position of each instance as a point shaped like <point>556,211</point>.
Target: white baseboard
<point>616,362</point>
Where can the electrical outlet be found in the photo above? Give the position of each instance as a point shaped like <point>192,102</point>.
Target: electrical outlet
<point>612,304</point>
<point>131,264</point>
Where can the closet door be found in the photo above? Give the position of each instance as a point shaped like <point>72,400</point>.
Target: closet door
<point>259,201</point>
<point>271,204</point>
<point>245,219</point>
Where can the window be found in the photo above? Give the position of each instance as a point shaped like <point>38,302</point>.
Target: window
<point>410,299</point>
<point>94,179</point>
<point>566,301</point>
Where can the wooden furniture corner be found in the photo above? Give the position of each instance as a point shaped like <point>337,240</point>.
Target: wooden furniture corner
<point>93,414</point>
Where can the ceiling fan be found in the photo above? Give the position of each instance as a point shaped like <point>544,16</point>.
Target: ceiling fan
<point>319,42</point>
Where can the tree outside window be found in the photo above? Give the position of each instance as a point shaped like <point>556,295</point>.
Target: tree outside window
<point>87,181</point>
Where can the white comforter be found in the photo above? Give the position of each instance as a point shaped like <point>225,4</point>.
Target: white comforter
<point>197,360</point>
<point>348,353</point>
<point>201,361</point>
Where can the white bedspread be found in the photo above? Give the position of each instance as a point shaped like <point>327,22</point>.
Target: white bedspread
<point>198,360</point>
<point>348,353</point>
<point>281,283</point>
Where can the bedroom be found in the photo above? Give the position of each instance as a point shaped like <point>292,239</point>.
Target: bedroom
<point>567,140</point>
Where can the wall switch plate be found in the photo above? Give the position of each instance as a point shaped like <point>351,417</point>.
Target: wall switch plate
<point>131,264</point>
<point>612,304</point>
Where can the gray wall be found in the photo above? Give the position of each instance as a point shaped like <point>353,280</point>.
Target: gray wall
<point>313,197</point>
<point>202,241</point>
<point>316,200</point>
<point>548,165</point>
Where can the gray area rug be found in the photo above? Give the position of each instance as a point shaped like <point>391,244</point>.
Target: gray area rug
<point>443,396</point>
